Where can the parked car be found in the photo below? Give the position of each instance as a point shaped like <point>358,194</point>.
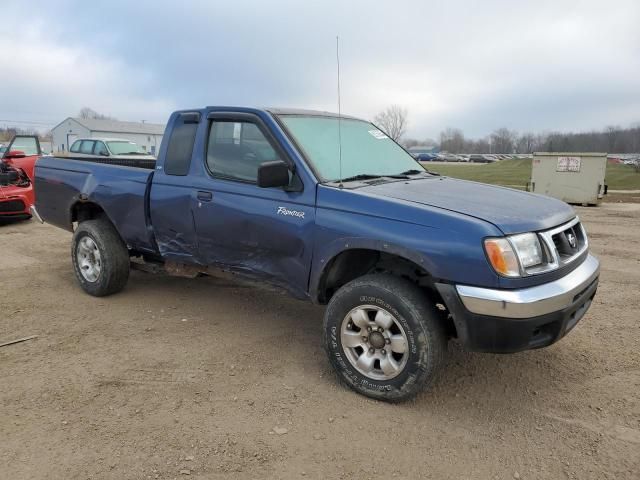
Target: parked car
<point>118,151</point>
<point>404,259</point>
<point>450,157</point>
<point>426,157</point>
<point>479,158</point>
<point>16,177</point>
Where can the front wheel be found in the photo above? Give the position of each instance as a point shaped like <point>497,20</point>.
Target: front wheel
<point>100,258</point>
<point>383,337</point>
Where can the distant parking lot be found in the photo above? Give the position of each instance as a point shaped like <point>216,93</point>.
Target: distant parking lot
<point>209,378</point>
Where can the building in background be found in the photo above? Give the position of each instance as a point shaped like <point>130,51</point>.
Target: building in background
<point>147,135</point>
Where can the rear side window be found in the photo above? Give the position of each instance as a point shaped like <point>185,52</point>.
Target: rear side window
<point>87,146</point>
<point>101,149</point>
<point>180,146</point>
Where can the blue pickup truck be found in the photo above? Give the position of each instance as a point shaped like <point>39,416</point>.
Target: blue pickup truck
<point>333,211</point>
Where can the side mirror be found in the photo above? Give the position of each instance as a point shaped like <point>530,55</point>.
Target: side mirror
<point>14,154</point>
<point>273,174</point>
<point>8,177</point>
<point>104,154</point>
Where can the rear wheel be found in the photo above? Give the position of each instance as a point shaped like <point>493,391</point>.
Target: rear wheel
<point>383,337</point>
<point>100,258</point>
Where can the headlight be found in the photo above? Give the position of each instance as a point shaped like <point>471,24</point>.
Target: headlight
<point>527,248</point>
<point>511,255</point>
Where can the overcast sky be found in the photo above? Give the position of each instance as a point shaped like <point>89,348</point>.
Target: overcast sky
<point>476,65</point>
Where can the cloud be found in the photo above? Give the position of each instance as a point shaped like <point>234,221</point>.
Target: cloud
<point>47,81</point>
<point>537,65</point>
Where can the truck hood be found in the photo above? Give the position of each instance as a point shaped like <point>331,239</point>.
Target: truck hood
<point>512,211</point>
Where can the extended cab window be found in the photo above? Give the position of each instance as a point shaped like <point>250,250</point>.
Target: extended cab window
<point>236,150</point>
<point>180,148</point>
<point>87,146</point>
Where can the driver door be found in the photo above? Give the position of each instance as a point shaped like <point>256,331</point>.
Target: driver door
<point>242,226</point>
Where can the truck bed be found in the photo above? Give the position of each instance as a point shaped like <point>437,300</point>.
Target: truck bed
<point>121,191</point>
<point>124,162</point>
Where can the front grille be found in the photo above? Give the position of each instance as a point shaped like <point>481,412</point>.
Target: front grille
<point>562,245</point>
<point>12,206</point>
<point>569,242</point>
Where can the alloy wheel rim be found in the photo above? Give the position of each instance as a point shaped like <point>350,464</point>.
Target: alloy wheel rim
<point>89,259</point>
<point>374,342</point>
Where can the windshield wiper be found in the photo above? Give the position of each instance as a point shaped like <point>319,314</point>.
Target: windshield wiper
<point>416,172</point>
<point>360,176</point>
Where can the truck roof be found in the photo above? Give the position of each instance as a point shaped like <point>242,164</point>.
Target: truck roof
<point>312,113</point>
<point>106,139</point>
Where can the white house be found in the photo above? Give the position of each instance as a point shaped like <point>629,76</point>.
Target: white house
<point>147,135</point>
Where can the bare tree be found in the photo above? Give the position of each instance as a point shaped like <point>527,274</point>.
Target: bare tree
<point>452,140</point>
<point>502,140</point>
<point>612,133</point>
<point>525,143</point>
<point>393,121</point>
<point>89,113</point>
<point>409,142</point>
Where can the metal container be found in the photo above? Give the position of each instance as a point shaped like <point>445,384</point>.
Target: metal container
<point>571,177</point>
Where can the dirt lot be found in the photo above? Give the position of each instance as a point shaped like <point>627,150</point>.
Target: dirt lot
<point>178,377</point>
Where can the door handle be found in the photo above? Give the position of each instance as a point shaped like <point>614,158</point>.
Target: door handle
<point>205,196</point>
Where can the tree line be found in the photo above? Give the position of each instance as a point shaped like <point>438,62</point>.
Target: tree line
<point>7,133</point>
<point>612,139</point>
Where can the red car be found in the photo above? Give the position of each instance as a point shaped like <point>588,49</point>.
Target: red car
<point>17,165</point>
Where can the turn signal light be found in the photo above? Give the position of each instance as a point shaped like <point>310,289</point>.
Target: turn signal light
<point>502,257</point>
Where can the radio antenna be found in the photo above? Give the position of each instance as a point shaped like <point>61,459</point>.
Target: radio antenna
<point>339,110</point>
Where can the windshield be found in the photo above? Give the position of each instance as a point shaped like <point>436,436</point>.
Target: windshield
<point>125,148</point>
<point>365,149</point>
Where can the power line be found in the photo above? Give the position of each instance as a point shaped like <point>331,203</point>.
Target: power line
<point>29,122</point>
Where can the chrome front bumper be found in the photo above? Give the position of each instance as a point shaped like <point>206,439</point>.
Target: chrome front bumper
<point>534,301</point>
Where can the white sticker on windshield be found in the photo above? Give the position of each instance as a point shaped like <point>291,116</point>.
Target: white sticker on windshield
<point>377,134</point>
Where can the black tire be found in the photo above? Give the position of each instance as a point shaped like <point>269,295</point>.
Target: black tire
<point>114,257</point>
<point>426,341</point>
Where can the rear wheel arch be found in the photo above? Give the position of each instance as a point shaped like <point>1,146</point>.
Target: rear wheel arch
<point>84,210</point>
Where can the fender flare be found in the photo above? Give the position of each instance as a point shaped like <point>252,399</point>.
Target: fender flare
<point>329,252</point>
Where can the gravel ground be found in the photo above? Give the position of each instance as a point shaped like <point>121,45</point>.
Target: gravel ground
<point>210,378</point>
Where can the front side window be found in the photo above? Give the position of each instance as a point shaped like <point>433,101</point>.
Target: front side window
<point>236,150</point>
<point>75,148</point>
<point>87,147</point>
<point>365,149</point>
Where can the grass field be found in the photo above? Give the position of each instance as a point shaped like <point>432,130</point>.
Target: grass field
<point>516,173</point>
